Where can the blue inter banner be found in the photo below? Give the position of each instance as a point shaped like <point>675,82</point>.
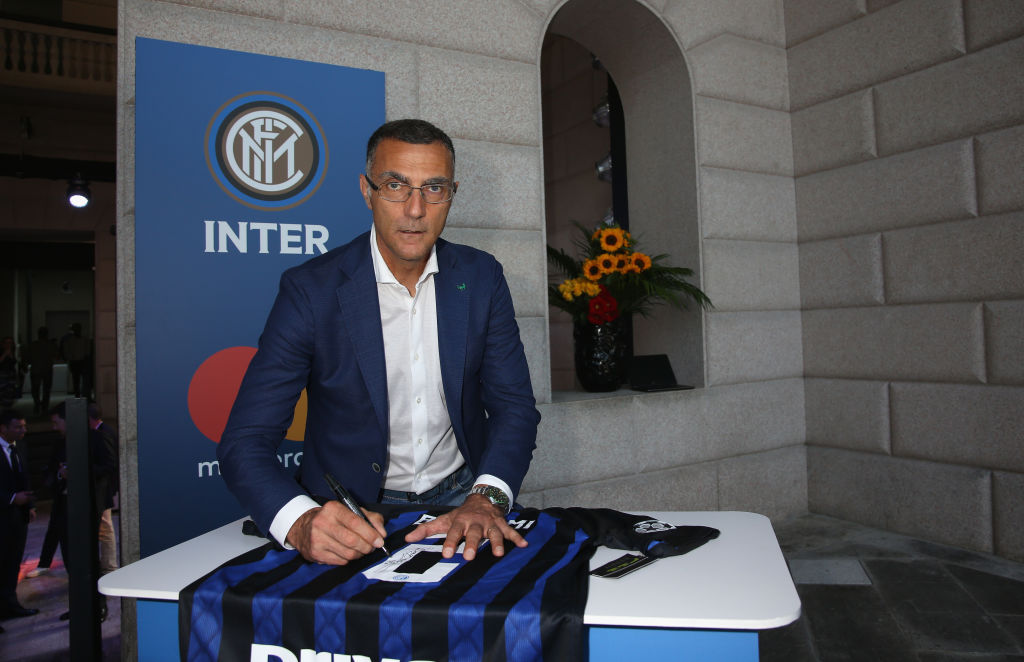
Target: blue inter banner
<point>245,165</point>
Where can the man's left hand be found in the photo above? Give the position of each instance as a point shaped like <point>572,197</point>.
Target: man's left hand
<point>475,520</point>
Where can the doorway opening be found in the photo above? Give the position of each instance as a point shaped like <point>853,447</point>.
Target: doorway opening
<point>587,45</point>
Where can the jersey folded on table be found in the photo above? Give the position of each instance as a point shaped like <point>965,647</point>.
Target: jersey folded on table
<point>271,605</point>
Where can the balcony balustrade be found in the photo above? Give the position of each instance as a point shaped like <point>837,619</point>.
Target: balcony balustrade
<point>57,58</point>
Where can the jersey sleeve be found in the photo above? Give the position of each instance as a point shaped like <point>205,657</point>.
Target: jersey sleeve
<point>640,533</point>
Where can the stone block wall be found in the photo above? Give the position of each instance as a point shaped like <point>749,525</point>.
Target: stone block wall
<point>735,442</point>
<point>474,68</point>
<point>908,135</point>
<point>859,233</point>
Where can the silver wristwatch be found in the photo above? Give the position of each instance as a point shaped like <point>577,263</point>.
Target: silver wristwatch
<point>495,495</point>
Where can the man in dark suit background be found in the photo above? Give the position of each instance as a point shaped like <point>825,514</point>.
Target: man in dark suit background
<point>103,455</point>
<point>103,465</point>
<point>104,438</point>
<point>19,510</point>
<point>417,383</point>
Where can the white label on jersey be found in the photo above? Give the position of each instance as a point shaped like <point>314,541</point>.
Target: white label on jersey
<point>388,569</point>
<point>652,526</point>
<point>521,524</point>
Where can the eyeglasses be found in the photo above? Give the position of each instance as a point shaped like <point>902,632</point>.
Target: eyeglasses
<point>395,191</point>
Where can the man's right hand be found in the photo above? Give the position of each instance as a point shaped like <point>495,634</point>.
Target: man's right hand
<point>334,534</point>
<point>22,498</point>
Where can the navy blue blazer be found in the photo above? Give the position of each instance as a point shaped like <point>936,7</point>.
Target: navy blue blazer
<point>324,334</point>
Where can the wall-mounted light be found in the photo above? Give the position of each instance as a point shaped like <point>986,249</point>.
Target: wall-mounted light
<point>602,113</point>
<point>609,217</point>
<point>604,169</point>
<point>78,192</point>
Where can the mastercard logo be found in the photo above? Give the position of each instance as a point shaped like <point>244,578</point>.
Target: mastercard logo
<point>213,390</point>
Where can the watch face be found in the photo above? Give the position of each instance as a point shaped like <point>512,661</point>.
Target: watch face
<point>496,496</point>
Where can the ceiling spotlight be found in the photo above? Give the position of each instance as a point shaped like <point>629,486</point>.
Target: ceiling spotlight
<point>604,168</point>
<point>78,192</point>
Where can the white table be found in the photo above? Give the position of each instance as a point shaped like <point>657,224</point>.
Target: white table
<point>707,604</point>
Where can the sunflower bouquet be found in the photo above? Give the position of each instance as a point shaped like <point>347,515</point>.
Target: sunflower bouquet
<point>612,278</point>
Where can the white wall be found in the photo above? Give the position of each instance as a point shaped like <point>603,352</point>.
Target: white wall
<point>908,133</point>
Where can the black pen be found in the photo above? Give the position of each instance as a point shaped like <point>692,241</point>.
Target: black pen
<point>350,503</point>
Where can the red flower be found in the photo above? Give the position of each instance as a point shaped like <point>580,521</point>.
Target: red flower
<point>602,308</point>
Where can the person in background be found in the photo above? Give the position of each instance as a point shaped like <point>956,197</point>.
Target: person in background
<point>41,353</point>
<point>105,437</point>
<point>75,350</point>
<point>102,465</point>
<point>9,373</point>
<point>18,510</point>
<point>55,476</point>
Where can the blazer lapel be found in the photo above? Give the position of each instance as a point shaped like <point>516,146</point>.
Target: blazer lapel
<point>453,289</point>
<point>360,312</point>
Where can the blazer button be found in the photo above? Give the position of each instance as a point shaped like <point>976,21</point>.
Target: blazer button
<point>376,468</point>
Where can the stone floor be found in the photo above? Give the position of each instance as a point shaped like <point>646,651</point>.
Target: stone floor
<point>880,597</point>
<point>867,596</point>
<point>44,637</point>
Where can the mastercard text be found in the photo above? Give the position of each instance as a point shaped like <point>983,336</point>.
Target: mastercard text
<point>211,468</point>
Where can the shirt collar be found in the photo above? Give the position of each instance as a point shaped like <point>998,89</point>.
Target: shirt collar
<point>380,268</point>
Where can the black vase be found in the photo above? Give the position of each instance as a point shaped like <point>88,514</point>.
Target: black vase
<point>601,354</point>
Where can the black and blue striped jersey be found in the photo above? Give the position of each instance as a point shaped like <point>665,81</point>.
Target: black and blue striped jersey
<point>415,606</point>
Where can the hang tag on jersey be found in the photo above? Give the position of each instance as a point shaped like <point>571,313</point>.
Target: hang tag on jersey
<point>412,564</point>
<point>418,563</point>
<point>622,566</point>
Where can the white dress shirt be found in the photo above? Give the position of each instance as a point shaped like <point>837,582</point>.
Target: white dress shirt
<point>422,450</point>
<point>421,447</point>
<point>7,451</point>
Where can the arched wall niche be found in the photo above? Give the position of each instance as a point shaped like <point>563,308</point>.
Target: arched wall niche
<point>646,62</point>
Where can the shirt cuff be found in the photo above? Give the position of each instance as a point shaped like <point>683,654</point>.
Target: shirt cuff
<point>288,515</point>
<point>494,481</point>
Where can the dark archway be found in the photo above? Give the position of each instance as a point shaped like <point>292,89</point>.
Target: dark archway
<point>646,62</point>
